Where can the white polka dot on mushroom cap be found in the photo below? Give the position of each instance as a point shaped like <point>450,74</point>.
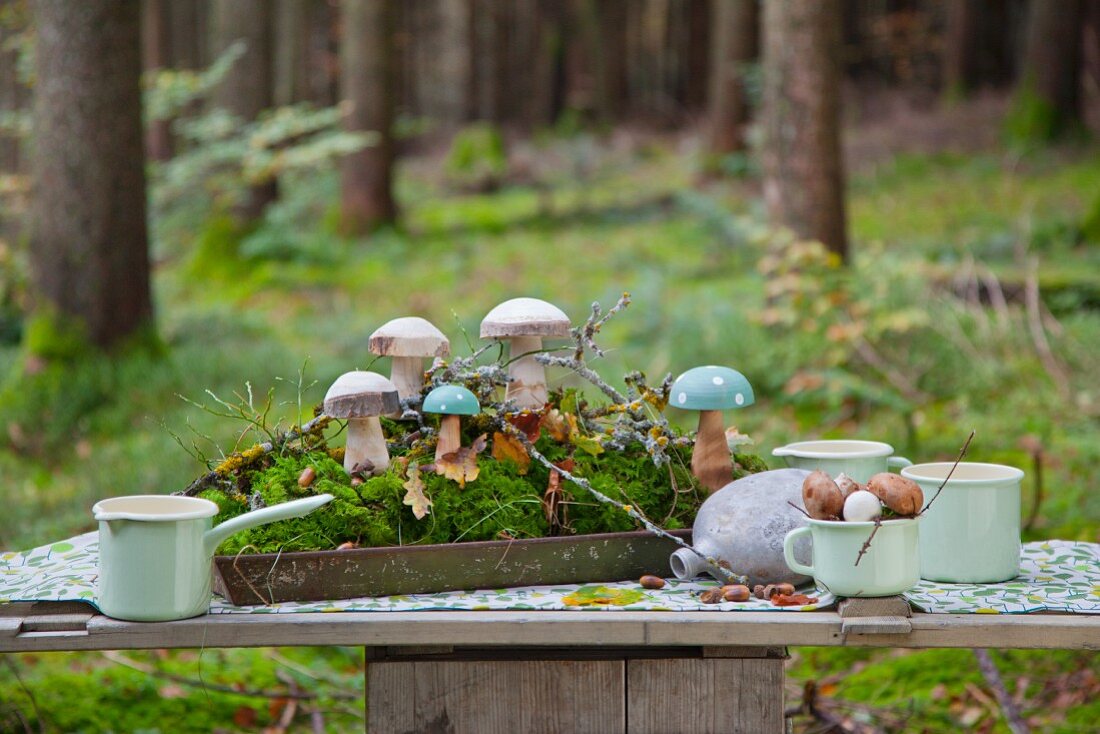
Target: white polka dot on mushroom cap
<point>459,396</point>
<point>682,398</point>
<point>717,380</point>
<point>739,399</point>
<point>443,406</point>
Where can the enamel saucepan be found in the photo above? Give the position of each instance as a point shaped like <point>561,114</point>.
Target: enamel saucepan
<point>155,552</point>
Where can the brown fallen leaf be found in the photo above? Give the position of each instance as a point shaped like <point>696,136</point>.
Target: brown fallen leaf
<point>461,466</point>
<point>792,600</point>
<point>559,425</point>
<point>414,494</point>
<point>530,422</point>
<point>510,448</point>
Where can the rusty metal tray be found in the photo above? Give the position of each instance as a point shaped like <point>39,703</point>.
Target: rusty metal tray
<point>314,576</point>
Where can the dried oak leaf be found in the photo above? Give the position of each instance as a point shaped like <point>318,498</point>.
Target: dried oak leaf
<point>461,466</point>
<point>792,600</point>
<point>530,422</point>
<point>559,425</point>
<point>414,493</point>
<point>509,447</point>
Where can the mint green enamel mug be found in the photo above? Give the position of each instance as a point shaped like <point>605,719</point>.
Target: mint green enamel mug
<point>860,460</point>
<point>155,552</point>
<point>890,565</point>
<point>971,532</point>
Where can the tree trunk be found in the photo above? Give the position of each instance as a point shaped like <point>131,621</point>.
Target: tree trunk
<point>962,48</point>
<point>156,43</point>
<point>367,85</point>
<point>89,246</point>
<point>188,29</point>
<point>247,89</point>
<point>697,56</point>
<point>12,97</point>
<point>1048,101</point>
<point>292,38</point>
<point>733,45</point>
<point>803,169</point>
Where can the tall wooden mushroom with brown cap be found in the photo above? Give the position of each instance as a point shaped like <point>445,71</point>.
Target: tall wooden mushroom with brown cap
<point>360,397</point>
<point>710,390</point>
<point>407,341</point>
<point>525,322</point>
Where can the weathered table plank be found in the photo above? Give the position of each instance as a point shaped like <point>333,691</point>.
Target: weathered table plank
<point>535,628</point>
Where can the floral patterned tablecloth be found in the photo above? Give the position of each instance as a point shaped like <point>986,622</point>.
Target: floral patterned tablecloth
<point>1056,576</point>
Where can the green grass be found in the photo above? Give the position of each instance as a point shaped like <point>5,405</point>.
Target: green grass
<point>690,255</point>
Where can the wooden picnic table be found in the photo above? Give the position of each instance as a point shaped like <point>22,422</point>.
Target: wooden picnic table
<point>543,671</point>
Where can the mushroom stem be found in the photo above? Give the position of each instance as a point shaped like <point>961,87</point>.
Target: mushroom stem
<point>407,375</point>
<point>450,439</point>
<point>528,385</point>
<point>366,442</point>
<point>710,459</point>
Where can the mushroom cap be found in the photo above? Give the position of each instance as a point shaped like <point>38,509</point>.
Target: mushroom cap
<point>409,336</point>
<point>524,317</point>
<point>361,394</point>
<point>711,388</point>
<point>451,400</point>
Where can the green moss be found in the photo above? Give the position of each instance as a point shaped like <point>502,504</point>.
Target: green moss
<point>501,502</point>
<point>51,335</point>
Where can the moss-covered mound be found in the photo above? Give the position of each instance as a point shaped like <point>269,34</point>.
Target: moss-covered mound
<point>504,501</point>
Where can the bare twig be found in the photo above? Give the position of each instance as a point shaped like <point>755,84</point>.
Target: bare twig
<point>798,508</point>
<point>1009,709</point>
<point>27,692</point>
<point>954,466</point>
<point>114,657</point>
<point>867,543</point>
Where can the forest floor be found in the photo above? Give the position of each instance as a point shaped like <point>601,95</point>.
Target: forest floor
<point>930,332</point>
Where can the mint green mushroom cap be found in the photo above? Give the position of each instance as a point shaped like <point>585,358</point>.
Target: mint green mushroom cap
<point>451,400</point>
<point>711,388</point>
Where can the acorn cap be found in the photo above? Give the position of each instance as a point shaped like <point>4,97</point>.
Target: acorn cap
<point>409,336</point>
<point>361,394</point>
<point>711,388</point>
<point>524,317</point>
<point>451,400</point>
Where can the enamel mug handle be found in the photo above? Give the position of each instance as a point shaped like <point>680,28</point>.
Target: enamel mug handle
<point>213,538</point>
<point>898,462</point>
<point>788,552</point>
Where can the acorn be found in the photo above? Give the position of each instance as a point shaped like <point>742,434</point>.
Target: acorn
<point>711,596</point>
<point>649,581</point>
<point>736,592</point>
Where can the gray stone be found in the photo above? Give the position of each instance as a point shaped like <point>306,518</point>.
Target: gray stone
<point>744,524</point>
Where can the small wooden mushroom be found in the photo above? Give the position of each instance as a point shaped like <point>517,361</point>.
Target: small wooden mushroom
<point>360,397</point>
<point>407,341</point>
<point>450,401</point>
<point>710,390</point>
<point>525,322</point>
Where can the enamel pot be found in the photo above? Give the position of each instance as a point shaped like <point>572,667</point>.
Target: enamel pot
<point>155,552</point>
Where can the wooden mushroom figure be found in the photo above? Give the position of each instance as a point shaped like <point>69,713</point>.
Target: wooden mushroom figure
<point>408,341</point>
<point>450,401</point>
<point>360,397</point>
<point>710,390</point>
<point>525,322</point>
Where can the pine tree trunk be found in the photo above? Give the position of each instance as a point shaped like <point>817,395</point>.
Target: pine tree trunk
<point>367,85</point>
<point>803,169</point>
<point>248,88</point>
<point>89,246</point>
<point>1048,101</point>
<point>292,37</point>
<point>156,42</point>
<point>733,45</point>
<point>697,54</point>
<point>188,29</point>
<point>962,48</point>
<point>12,98</point>
<point>612,19</point>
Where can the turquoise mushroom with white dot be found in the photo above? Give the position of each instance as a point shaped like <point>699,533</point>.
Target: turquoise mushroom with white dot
<point>710,390</point>
<point>450,401</point>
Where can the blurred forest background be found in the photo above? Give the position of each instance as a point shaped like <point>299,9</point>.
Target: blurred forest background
<point>886,213</point>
